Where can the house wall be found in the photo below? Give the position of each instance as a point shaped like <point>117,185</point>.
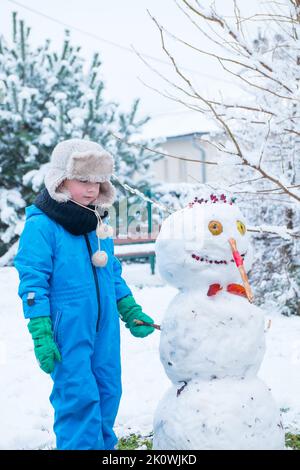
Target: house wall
<point>172,170</point>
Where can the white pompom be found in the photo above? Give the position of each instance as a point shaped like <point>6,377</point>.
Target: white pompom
<point>104,231</point>
<point>99,259</point>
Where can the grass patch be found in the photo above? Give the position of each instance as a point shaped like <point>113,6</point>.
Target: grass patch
<point>292,441</point>
<point>135,441</point>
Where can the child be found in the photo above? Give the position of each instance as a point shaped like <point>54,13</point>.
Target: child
<point>73,294</point>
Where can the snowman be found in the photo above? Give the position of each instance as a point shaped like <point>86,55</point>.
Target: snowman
<point>212,336</point>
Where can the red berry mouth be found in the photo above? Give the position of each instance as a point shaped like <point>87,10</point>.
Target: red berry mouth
<point>205,259</point>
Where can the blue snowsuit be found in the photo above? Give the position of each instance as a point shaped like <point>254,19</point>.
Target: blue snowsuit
<point>55,267</point>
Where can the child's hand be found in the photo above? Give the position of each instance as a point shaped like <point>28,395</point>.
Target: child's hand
<point>140,331</point>
<point>45,348</point>
<point>129,311</point>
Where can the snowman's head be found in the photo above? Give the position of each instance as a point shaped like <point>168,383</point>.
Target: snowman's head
<point>193,248</point>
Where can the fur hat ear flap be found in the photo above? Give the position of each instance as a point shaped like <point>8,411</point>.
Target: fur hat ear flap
<point>53,180</point>
<point>107,195</point>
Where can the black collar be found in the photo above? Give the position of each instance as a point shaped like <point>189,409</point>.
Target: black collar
<point>74,218</point>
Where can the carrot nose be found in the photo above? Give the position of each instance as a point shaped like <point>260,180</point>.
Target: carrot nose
<point>240,265</point>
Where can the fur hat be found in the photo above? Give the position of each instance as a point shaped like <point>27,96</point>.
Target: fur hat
<point>81,160</point>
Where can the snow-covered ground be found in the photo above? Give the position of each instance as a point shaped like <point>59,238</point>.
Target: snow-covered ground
<point>25,412</point>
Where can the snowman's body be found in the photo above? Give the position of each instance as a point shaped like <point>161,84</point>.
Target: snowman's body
<point>211,346</point>
<point>196,342</point>
<point>220,415</point>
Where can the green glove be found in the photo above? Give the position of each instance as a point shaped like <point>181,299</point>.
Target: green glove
<point>129,310</point>
<point>45,348</point>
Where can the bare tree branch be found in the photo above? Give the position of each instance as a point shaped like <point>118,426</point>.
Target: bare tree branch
<point>227,59</point>
<point>210,107</point>
<point>182,90</point>
<point>247,181</point>
<point>284,232</point>
<point>144,147</point>
<point>254,84</point>
<point>229,132</point>
<point>265,143</point>
<point>224,26</point>
<point>220,44</point>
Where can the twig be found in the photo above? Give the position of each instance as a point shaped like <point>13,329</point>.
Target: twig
<point>141,195</point>
<point>181,388</point>
<point>227,59</point>
<point>145,323</point>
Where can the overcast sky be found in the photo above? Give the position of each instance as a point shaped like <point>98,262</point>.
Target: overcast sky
<point>125,23</point>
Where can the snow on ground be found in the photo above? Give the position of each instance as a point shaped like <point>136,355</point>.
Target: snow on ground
<point>25,410</point>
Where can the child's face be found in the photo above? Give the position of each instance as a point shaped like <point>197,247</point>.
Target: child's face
<point>83,192</point>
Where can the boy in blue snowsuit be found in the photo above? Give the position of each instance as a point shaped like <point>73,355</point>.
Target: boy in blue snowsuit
<point>73,294</point>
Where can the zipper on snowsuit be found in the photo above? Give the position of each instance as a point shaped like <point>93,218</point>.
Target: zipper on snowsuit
<point>95,279</point>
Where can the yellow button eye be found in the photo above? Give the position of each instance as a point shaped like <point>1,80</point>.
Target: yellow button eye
<point>215,227</point>
<point>241,227</point>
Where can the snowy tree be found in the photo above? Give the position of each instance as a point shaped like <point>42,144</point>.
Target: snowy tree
<point>259,128</point>
<point>48,96</point>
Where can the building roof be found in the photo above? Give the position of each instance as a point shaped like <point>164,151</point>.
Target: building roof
<point>178,124</point>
